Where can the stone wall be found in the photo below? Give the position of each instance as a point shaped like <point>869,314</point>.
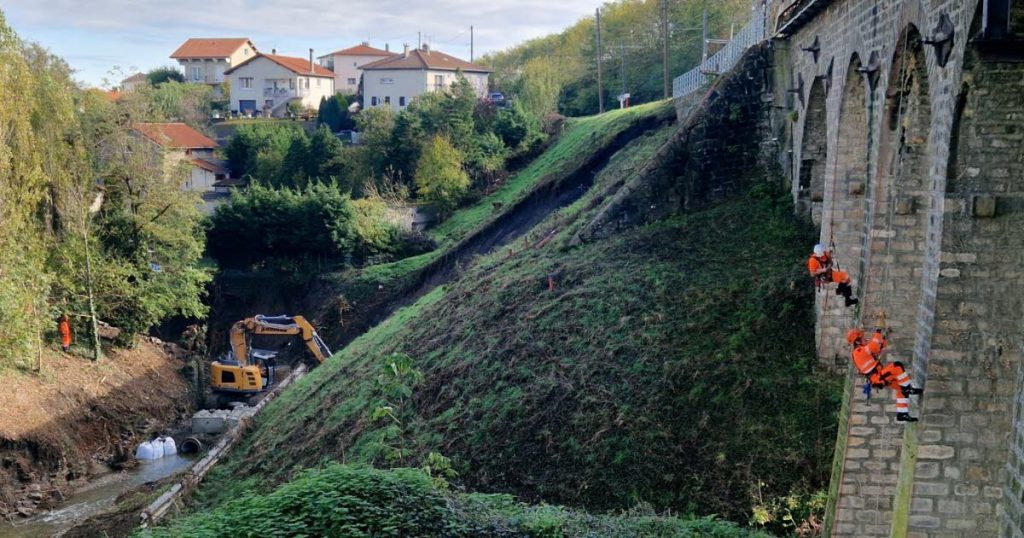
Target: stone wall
<point>720,148</point>
<point>924,198</point>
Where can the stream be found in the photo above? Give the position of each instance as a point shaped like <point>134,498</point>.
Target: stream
<point>93,498</point>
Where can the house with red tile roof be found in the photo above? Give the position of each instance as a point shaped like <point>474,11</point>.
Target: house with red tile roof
<point>178,143</point>
<point>204,60</point>
<point>346,64</point>
<point>394,81</point>
<point>267,83</point>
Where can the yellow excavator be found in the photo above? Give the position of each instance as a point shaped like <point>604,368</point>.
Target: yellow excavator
<point>246,370</point>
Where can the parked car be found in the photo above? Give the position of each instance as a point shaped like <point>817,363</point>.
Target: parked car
<point>496,98</point>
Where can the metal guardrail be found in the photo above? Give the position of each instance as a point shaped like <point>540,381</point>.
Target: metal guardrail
<point>726,57</point>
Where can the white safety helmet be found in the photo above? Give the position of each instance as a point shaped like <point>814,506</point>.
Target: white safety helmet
<point>819,250</point>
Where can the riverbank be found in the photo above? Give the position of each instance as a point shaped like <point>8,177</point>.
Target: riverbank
<point>78,419</point>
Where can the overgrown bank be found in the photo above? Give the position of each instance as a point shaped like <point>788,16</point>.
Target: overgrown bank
<point>672,365</point>
<point>340,500</point>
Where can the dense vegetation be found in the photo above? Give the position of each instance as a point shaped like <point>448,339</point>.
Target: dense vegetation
<point>558,72</point>
<point>61,148</point>
<point>318,221</point>
<point>607,393</point>
<point>482,139</point>
<point>340,500</point>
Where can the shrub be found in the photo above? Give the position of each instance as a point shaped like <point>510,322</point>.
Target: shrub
<point>440,179</point>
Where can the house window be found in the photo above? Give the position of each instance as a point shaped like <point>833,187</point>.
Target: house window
<point>245,83</point>
<point>245,51</point>
<point>197,72</point>
<point>373,101</point>
<point>387,81</point>
<point>317,83</point>
<point>438,82</point>
<point>304,82</point>
<point>352,81</point>
<point>291,84</point>
<point>387,99</point>
<point>401,101</point>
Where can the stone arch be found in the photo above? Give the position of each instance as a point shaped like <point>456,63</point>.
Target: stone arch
<point>810,188</point>
<point>901,198</point>
<point>845,201</point>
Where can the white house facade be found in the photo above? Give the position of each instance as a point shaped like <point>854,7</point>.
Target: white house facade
<point>266,83</point>
<point>393,82</point>
<point>205,60</point>
<point>178,143</point>
<point>346,64</point>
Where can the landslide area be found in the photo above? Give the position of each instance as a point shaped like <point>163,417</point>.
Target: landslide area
<point>669,365</point>
<point>78,417</point>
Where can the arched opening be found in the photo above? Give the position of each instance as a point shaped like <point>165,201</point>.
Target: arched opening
<point>811,178</point>
<point>902,197</point>
<point>844,213</point>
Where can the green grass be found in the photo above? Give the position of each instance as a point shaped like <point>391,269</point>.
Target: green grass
<point>581,138</point>
<point>673,366</point>
<point>579,141</point>
<point>354,501</point>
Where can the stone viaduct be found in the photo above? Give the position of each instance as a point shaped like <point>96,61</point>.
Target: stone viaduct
<point>900,127</point>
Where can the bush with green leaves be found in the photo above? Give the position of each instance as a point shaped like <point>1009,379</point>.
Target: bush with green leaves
<point>319,221</point>
<point>440,179</point>
<point>353,501</point>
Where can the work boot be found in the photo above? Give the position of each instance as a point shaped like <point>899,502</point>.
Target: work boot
<point>851,301</point>
<point>905,417</point>
<point>912,390</point>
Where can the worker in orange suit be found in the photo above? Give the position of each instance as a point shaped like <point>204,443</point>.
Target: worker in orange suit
<point>64,327</point>
<point>867,360</point>
<point>820,267</point>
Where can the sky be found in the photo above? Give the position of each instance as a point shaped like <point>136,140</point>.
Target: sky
<point>97,36</point>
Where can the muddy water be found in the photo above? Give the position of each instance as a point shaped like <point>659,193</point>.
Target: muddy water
<point>93,498</point>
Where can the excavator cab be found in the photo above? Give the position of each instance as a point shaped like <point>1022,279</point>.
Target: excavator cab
<point>245,370</point>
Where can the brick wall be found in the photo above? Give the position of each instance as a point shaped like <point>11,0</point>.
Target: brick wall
<point>924,196</point>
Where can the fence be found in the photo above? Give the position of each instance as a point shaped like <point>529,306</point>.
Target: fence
<point>726,57</point>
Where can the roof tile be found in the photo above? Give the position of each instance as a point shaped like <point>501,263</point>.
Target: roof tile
<point>360,50</point>
<point>210,47</point>
<point>175,135</point>
<point>425,59</point>
<point>296,65</point>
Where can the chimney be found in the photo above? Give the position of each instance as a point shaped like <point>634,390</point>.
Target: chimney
<point>405,51</point>
<point>426,48</point>
<point>366,43</point>
<point>273,51</point>
<point>311,61</point>
<point>387,47</point>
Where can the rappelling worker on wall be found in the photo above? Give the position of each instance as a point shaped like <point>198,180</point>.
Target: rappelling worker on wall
<point>820,267</point>
<point>867,359</point>
<point>64,328</point>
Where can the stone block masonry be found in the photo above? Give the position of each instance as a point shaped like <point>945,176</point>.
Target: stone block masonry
<point>922,190</point>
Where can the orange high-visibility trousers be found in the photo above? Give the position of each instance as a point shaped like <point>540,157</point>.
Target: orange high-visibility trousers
<point>895,377</point>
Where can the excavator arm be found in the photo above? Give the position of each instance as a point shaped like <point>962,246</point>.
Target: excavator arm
<point>275,326</point>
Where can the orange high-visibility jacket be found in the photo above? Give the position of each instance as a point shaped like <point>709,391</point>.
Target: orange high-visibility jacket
<point>863,360</point>
<point>65,333</point>
<point>879,338</point>
<point>815,264</point>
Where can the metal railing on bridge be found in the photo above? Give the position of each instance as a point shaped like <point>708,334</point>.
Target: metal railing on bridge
<point>726,57</point>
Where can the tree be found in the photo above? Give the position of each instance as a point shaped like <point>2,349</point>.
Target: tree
<point>375,126</point>
<point>324,159</point>
<point>440,179</point>
<point>257,150</point>
<point>514,126</point>
<point>294,166</point>
<point>161,75</point>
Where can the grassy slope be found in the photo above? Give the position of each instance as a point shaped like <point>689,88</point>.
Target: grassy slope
<point>356,501</point>
<point>672,365</point>
<point>580,138</point>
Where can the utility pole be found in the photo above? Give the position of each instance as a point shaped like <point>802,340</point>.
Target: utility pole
<point>419,37</point>
<point>704,38</point>
<point>600,53</point>
<point>470,43</point>
<point>664,49</point>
